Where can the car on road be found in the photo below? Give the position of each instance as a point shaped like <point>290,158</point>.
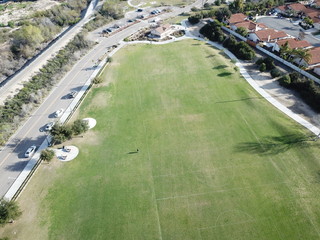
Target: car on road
<point>49,126</point>
<point>30,151</point>
<point>130,20</point>
<point>139,10</point>
<point>58,113</point>
<point>72,94</point>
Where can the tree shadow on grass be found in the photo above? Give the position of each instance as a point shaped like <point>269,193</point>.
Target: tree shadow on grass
<point>220,66</point>
<point>224,74</point>
<point>272,145</point>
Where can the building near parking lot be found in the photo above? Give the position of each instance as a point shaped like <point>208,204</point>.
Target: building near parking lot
<point>292,43</point>
<point>267,36</point>
<point>162,31</point>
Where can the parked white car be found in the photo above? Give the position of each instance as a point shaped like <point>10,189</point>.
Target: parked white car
<point>58,113</point>
<point>30,151</point>
<point>49,126</point>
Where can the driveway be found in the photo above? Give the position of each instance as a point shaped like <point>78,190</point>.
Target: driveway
<point>286,26</point>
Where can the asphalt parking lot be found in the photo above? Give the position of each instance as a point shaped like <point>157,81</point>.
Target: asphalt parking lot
<point>288,27</point>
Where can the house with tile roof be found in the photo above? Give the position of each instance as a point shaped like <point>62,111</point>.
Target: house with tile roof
<point>314,14</point>
<point>280,9</point>
<point>292,43</point>
<point>162,31</point>
<point>296,7</point>
<point>267,36</point>
<point>249,25</point>
<point>236,18</point>
<point>314,60</point>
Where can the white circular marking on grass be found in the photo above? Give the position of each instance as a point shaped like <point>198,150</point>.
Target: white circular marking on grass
<point>67,153</point>
<point>91,122</point>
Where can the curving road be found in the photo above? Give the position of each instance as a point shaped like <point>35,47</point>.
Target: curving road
<point>12,160</point>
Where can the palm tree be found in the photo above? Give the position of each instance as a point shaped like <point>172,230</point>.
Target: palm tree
<point>303,54</point>
<point>286,51</point>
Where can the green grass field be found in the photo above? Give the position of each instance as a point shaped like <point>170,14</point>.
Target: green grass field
<point>215,160</point>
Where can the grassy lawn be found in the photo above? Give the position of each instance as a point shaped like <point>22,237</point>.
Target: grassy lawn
<point>215,160</point>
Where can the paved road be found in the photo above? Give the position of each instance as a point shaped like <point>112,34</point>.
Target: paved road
<point>16,82</point>
<point>286,26</point>
<point>12,160</point>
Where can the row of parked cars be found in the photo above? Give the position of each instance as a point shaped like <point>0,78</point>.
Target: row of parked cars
<point>31,150</point>
<point>116,26</point>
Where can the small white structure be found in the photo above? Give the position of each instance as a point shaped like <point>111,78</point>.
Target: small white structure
<point>91,122</point>
<point>162,31</point>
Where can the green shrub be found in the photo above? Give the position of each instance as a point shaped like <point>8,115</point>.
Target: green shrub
<point>262,67</point>
<point>97,80</point>
<point>9,210</point>
<point>194,19</point>
<point>275,72</point>
<point>47,155</point>
<point>79,126</point>
<point>285,80</point>
<point>259,61</point>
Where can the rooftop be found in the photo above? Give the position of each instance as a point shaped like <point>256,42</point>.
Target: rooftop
<point>270,34</point>
<point>294,43</point>
<point>315,56</point>
<point>250,25</point>
<point>238,17</point>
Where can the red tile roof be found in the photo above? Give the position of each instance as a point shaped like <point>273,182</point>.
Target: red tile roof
<point>263,35</point>
<point>294,43</point>
<point>315,55</point>
<point>298,7</point>
<point>250,25</point>
<point>314,16</point>
<point>238,17</point>
<point>282,8</point>
<point>309,10</point>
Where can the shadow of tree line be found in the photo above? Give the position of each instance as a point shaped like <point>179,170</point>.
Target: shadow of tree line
<point>272,145</point>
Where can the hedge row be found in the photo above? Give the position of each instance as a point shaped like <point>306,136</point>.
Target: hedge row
<point>240,49</point>
<point>307,89</point>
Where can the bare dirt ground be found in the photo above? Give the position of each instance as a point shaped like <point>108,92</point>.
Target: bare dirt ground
<point>19,10</point>
<point>286,97</point>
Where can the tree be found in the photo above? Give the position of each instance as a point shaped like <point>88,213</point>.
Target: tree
<point>222,14</point>
<point>242,31</point>
<point>302,54</point>
<point>79,126</point>
<point>9,210</point>
<point>285,51</point>
<point>194,19</point>
<point>308,21</point>
<point>60,133</point>
<point>262,67</point>
<point>47,155</point>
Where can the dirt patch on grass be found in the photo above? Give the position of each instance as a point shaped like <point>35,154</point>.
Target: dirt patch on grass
<point>192,117</point>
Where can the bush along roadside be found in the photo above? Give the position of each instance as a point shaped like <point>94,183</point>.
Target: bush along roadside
<point>16,109</point>
<point>240,49</point>
<point>308,90</point>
